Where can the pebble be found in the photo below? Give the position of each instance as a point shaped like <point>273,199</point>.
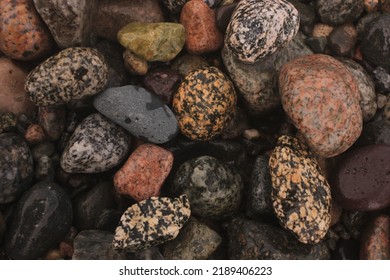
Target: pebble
<point>346,249</point>
<point>362,180</point>
<point>196,241</point>
<point>223,15</point>
<point>213,188</point>
<point>279,18</point>
<point>16,167</point>
<point>174,6</point>
<point>153,41</point>
<point>317,44</point>
<point>301,195</point>
<point>237,125</point>
<point>96,145</point>
<point>186,63</point>
<point>52,120</point>
<point>34,134</point>
<point>252,240</point>
<point>204,103</point>
<point>376,132</point>
<point>13,96</point>
<point>141,113</point>
<point>134,64</point>
<point>381,101</point>
<point>371,5</point>
<point>342,40</point>
<point>374,45</point>
<point>23,35</point>
<point>70,75</point>
<point>382,79</point>
<point>43,149</point>
<point>321,97</point>
<point>322,30</point>
<point>42,218</point>
<point>44,169</point>
<point>144,173</point>
<point>151,222</point>
<point>202,34</point>
<point>375,244</point>
<point>337,12</point>
<point>112,15</point>
<point>8,123</point>
<point>69,22</point>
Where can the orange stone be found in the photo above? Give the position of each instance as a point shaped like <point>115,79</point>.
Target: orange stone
<point>34,134</point>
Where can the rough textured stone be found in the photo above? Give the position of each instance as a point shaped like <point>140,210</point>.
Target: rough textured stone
<point>34,134</point>
<point>337,12</point>
<point>52,120</point>
<point>375,244</point>
<point>343,39</point>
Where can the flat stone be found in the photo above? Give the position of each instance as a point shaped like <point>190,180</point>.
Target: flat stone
<point>338,12</point>
<point>139,112</point>
<point>375,244</point>
<point>52,120</point>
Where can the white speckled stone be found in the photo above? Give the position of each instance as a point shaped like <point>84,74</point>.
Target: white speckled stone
<point>259,28</point>
<point>96,145</point>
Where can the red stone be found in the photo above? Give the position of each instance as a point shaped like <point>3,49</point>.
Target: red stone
<point>375,244</point>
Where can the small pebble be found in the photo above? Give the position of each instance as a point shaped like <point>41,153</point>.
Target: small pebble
<point>134,64</point>
<point>163,82</point>
<point>52,120</point>
<point>186,63</point>
<point>375,242</point>
<point>337,12</point>
<point>371,5</point>
<point>322,30</point>
<point>44,169</point>
<point>223,15</point>
<point>343,39</point>
<point>381,100</point>
<point>382,79</point>
<point>34,134</point>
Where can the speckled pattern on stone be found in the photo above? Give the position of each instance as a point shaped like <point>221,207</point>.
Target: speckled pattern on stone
<point>259,28</point>
<point>204,103</point>
<point>301,195</point>
<point>337,12</point>
<point>151,222</point>
<point>70,75</point>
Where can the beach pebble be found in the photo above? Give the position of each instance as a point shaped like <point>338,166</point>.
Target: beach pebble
<point>52,120</point>
<point>337,12</point>
<point>134,64</point>
<point>376,132</point>
<point>375,243</point>
<point>186,63</point>
<point>163,82</point>
<point>342,40</point>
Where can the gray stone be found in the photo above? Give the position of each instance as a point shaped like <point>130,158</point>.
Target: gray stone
<point>337,12</point>
<point>188,62</point>
<point>44,169</point>
<point>377,132</point>
<point>96,145</point>
<point>364,21</point>
<point>382,79</point>
<point>317,44</point>
<point>43,149</point>
<point>139,112</point>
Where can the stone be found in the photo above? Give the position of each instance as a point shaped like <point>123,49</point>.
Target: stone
<point>43,149</point>
<point>337,12</point>
<point>346,249</point>
<point>382,79</point>
<point>317,44</point>
<point>363,22</point>
<point>223,15</point>
<point>134,64</point>
<point>163,82</point>
<point>321,97</point>
<point>144,173</point>
<point>376,132</point>
<point>322,30</point>
<point>361,181</point>
<point>375,242</point>
<point>237,125</point>
<point>141,113</point>
<point>375,44</point>
<point>96,145</point>
<point>300,193</point>
<point>44,169</point>
<point>214,189</point>
<point>252,240</point>
<point>52,120</point>
<point>174,6</point>
<point>16,167</point>
<point>202,34</point>
<point>381,101</point>
<point>307,16</point>
<point>204,103</point>
<point>9,122</point>
<point>151,222</point>
<point>2,227</point>
<point>112,15</point>
<point>371,5</point>
<point>13,97</point>
<point>195,241</point>
<point>34,134</point>
<point>42,218</point>
<point>70,75</point>
<point>186,63</point>
<point>342,40</point>
<point>386,112</point>
<point>245,35</point>
<point>23,35</point>
<point>69,22</point>
<point>153,41</point>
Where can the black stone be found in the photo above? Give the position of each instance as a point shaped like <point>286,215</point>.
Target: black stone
<point>108,220</point>
<point>381,79</point>
<point>377,132</point>
<point>223,15</point>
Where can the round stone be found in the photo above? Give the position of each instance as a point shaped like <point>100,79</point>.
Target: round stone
<point>337,12</point>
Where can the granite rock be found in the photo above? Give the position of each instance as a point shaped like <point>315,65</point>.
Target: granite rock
<point>337,12</point>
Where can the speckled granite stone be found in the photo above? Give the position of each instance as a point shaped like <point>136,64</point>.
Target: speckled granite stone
<point>151,222</point>
<point>301,195</point>
<point>96,145</point>
<point>337,12</point>
<point>145,171</point>
<point>259,28</point>
<point>70,75</point>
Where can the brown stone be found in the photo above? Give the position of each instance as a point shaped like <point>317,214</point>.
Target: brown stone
<point>52,120</point>
<point>322,30</point>
<point>343,39</point>
<point>184,64</point>
<point>34,134</point>
<point>134,64</point>
<point>144,173</point>
<point>371,5</point>
<point>66,249</point>
<point>375,244</point>
<point>202,34</point>
<point>335,213</point>
<point>53,254</point>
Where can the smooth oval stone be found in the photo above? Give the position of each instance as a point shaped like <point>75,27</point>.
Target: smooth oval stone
<point>96,145</point>
<point>300,193</point>
<point>337,12</point>
<point>139,112</point>
<point>214,189</point>
<point>16,167</point>
<point>153,41</point>
<point>151,222</point>
<point>362,180</point>
<point>321,97</point>
<point>375,242</point>
<point>43,216</point>
<point>70,75</point>
<point>134,64</point>
<point>259,28</point>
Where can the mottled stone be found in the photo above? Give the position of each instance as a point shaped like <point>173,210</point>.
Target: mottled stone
<point>204,103</point>
<point>186,63</point>
<point>151,222</point>
<point>382,79</point>
<point>135,65</point>
<point>163,82</point>
<point>69,22</point>
<point>259,28</point>
<point>375,242</point>
<point>362,179</point>
<point>343,39</point>
<point>321,97</point>
<point>96,145</point>
<point>251,240</point>
<point>23,35</point>
<point>52,120</point>
<point>141,113</point>
<point>42,218</point>
<point>34,134</point>
<point>214,189</point>
<point>174,6</point>
<point>300,193</point>
<point>337,12</point>
<point>72,74</point>
<point>16,167</point>
<point>144,173</point>
<point>322,30</point>
<point>153,41</point>
<point>223,15</point>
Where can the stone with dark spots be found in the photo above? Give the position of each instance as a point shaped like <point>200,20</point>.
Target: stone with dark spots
<point>138,111</point>
<point>342,40</point>
<point>16,167</point>
<point>163,82</point>
<point>337,12</point>
<point>42,217</point>
<point>251,240</point>
<point>362,179</point>
<point>223,15</point>
<point>52,120</point>
<point>375,242</point>
<point>346,249</point>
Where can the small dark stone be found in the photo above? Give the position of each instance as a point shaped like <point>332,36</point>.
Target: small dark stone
<point>381,79</point>
<point>317,44</point>
<point>375,244</point>
<point>108,220</point>
<point>43,149</point>
<point>163,83</point>
<point>346,249</point>
<point>343,39</point>
<point>223,15</point>
<point>52,120</point>
<point>44,169</point>
<point>337,12</point>
<point>377,132</point>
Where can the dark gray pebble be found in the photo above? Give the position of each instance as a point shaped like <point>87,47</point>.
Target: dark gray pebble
<point>382,80</point>
<point>44,169</point>
<point>346,249</point>
<point>377,132</point>
<point>337,12</point>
